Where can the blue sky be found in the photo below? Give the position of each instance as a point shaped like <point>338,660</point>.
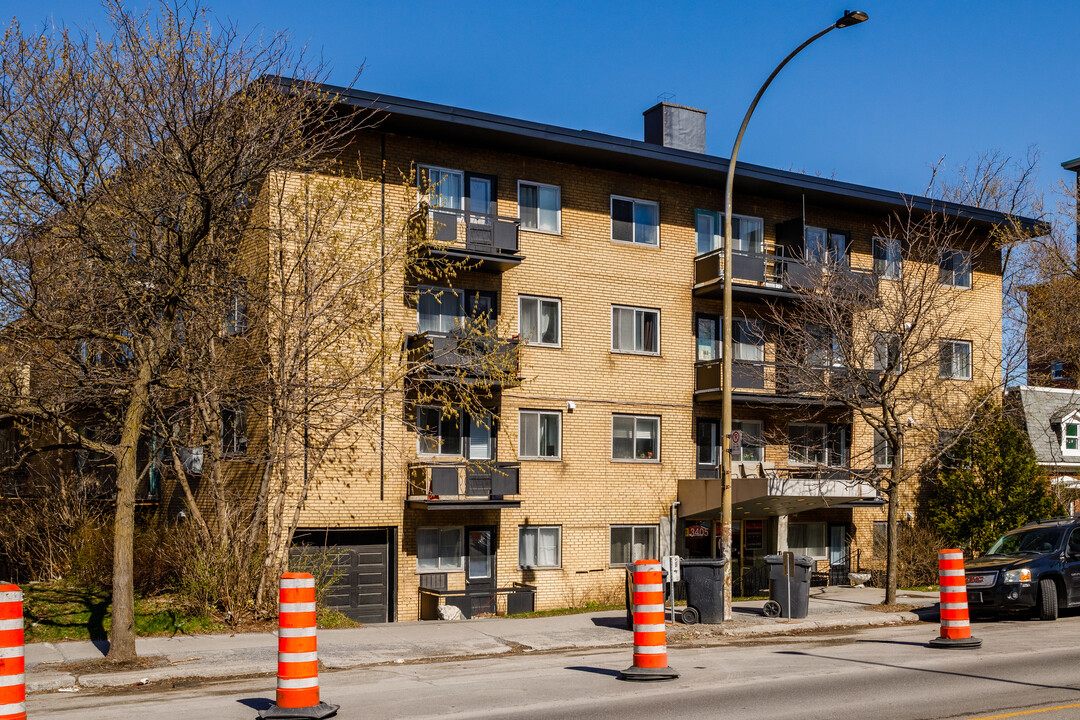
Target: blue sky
<point>874,104</point>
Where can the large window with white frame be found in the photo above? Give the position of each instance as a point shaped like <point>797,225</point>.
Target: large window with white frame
<point>749,232</point>
<point>539,207</point>
<point>540,320</point>
<point>630,543</point>
<point>635,438</point>
<point>954,359</point>
<point>808,539</point>
<point>539,434</point>
<point>954,268</point>
<point>439,549</point>
<point>539,546</point>
<point>1070,434</point>
<point>635,221</point>
<point>635,330</point>
<point>444,188</point>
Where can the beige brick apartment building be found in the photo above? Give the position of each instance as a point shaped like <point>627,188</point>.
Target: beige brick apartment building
<point>602,254</point>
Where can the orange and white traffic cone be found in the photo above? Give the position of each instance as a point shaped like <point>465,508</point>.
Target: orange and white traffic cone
<point>12,659</point>
<point>650,630</point>
<point>955,624</point>
<point>298,663</point>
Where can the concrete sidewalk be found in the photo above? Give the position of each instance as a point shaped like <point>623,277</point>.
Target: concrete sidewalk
<point>190,657</point>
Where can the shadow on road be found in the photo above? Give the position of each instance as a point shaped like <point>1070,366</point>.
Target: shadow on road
<point>257,703</point>
<point>933,672</point>
<point>598,671</point>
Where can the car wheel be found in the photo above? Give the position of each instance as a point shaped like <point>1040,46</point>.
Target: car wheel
<point>689,616</point>
<point>1048,600</point>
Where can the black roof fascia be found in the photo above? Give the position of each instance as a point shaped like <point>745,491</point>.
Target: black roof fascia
<point>1073,165</point>
<point>583,147</point>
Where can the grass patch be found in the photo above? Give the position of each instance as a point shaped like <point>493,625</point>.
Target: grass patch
<point>922,588</point>
<point>587,608</point>
<point>740,598</point>
<point>330,619</point>
<point>58,611</point>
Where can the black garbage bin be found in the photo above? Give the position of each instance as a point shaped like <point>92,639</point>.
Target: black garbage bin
<point>704,578</point>
<point>790,586</point>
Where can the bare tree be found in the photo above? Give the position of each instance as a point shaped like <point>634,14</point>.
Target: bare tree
<point>123,156</point>
<point>883,346</point>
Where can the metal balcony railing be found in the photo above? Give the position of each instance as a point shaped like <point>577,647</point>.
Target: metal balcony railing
<point>463,356</point>
<point>470,231</point>
<point>477,480</point>
<point>775,379</point>
<point>778,271</point>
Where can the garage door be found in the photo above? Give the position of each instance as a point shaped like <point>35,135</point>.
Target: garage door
<point>358,561</point>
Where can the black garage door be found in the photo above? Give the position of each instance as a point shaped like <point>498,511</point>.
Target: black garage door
<point>359,562</point>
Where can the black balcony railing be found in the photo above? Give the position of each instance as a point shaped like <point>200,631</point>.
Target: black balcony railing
<point>475,481</point>
<point>777,272</point>
<point>781,380</point>
<point>463,356</point>
<point>489,239</point>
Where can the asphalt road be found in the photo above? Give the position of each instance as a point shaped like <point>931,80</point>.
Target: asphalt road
<point>1024,669</point>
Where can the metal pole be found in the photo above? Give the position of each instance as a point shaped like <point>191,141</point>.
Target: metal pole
<point>725,402</point>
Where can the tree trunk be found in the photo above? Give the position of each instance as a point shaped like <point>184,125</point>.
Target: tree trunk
<point>891,563</point>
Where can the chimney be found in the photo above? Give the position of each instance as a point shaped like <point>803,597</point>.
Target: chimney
<point>675,126</point>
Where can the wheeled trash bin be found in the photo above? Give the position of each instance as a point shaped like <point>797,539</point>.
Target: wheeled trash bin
<point>789,585</point>
<point>704,578</point>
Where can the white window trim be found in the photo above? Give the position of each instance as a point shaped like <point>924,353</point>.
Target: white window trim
<point>649,353</point>
<point>421,196</point>
<point>611,220</point>
<point>440,569</point>
<point>900,264</point>
<point>971,270</point>
<point>654,527</point>
<point>558,216</point>
<point>436,290</point>
<point>530,343</point>
<point>659,447</point>
<point>718,217</point>
<point>461,435</point>
<point>826,555</point>
<point>971,360</point>
<point>1070,419</point>
<point>542,458</point>
<point>557,565</point>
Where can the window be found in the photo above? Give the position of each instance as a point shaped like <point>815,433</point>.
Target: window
<point>539,547</point>
<point>635,437</point>
<point>825,247</point>
<point>822,347</point>
<point>540,320</point>
<point>818,444</point>
<point>630,543</point>
<point>481,429</point>
<point>954,268</point>
<point>954,359</point>
<point>1071,431</point>
<point>708,338</point>
<point>539,434</point>
<point>807,539</point>
<point>236,311</point>
<point>635,330</point>
<point>709,447</point>
<point>747,340</point>
<point>887,258</point>
<point>442,310</point>
<point>635,221</point>
<point>439,549</point>
<point>887,353</point>
<point>233,431</point>
<point>748,232</point>
<point>437,432</point>
<point>883,456</point>
<point>445,188</point>
<point>1057,371</point>
<point>540,207</point>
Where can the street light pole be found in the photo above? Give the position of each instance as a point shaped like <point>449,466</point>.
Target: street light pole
<point>850,17</point>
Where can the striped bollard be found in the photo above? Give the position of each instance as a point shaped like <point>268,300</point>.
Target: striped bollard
<point>12,660</point>
<point>298,664</point>
<point>650,630</point>
<point>955,624</point>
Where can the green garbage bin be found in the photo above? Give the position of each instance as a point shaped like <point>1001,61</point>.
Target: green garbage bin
<point>789,583</point>
<point>704,578</point>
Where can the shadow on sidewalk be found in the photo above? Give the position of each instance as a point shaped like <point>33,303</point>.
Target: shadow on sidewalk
<point>611,622</point>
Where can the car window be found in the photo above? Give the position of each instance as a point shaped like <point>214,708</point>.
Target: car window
<point>1036,540</point>
<point>1074,542</point>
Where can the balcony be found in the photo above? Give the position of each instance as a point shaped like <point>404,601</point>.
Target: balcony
<point>488,243</point>
<point>759,489</point>
<point>777,275</point>
<point>774,383</point>
<point>463,357</point>
<point>460,485</point>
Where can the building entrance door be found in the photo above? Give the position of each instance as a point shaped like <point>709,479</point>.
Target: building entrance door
<point>480,568</point>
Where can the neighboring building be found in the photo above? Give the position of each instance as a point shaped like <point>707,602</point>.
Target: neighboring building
<point>1051,419</point>
<point>602,255</point>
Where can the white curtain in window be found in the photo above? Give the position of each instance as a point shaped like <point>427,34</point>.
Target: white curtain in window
<point>622,437</point>
<point>527,547</point>
<point>548,219</point>
<point>427,549</point>
<point>529,431</point>
<point>450,548</point>
<point>480,436</point>
<point>549,322</point>
<point>527,323</point>
<point>548,547</point>
<point>446,189</point>
<point>705,228</point>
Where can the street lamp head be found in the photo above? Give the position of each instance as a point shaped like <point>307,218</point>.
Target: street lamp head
<point>852,17</point>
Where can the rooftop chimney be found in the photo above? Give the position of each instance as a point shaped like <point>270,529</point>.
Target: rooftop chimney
<point>675,126</point>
